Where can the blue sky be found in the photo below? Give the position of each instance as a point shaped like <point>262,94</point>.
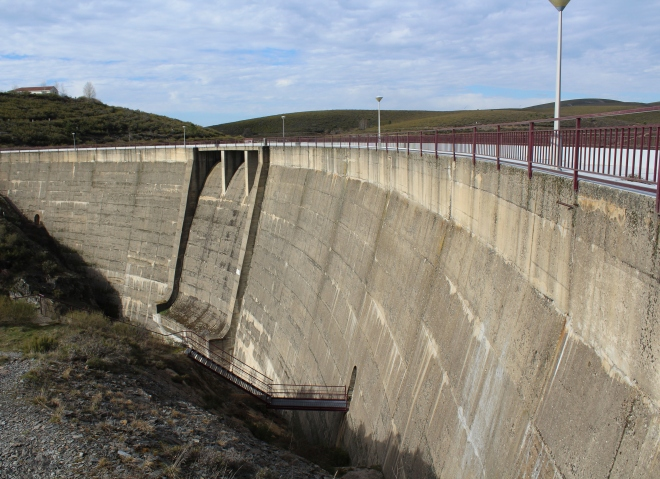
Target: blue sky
<point>216,61</point>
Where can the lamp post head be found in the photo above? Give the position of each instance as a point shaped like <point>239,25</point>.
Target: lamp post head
<point>379,98</point>
<point>283,117</point>
<point>560,4</point>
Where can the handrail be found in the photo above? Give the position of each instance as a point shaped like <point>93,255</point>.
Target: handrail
<point>258,379</point>
<point>625,157</point>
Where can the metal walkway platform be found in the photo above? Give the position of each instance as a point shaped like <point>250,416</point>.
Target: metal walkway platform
<point>276,396</point>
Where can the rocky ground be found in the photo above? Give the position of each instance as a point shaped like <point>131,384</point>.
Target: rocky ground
<point>120,426</point>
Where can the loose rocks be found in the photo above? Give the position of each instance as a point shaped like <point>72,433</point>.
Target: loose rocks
<point>113,428</point>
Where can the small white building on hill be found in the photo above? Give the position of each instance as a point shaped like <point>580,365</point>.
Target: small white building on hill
<point>37,90</point>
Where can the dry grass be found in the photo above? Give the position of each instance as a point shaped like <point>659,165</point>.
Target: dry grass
<point>142,426</point>
<point>40,399</point>
<point>95,402</point>
<point>57,415</point>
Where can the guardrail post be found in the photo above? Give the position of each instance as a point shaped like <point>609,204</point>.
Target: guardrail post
<point>576,153</point>
<point>453,143</point>
<point>635,155</point>
<point>435,140</point>
<point>497,148</point>
<point>474,145</point>
<point>657,174</point>
<point>530,149</point>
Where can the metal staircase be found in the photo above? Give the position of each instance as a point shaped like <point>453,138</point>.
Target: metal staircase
<point>276,396</point>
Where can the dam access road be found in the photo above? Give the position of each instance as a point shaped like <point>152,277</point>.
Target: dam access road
<point>488,324</point>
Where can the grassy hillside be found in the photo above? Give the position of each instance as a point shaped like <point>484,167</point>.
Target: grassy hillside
<point>365,121</point>
<point>50,120</point>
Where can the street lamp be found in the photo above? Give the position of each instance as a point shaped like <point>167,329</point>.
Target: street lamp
<point>184,136</point>
<point>283,117</point>
<point>378,99</point>
<point>74,140</point>
<point>559,5</point>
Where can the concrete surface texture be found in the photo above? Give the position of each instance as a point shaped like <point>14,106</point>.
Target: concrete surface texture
<point>494,331</point>
<point>121,210</point>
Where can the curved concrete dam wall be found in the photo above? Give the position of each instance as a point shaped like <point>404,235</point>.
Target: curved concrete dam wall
<point>495,331</point>
<point>498,326</point>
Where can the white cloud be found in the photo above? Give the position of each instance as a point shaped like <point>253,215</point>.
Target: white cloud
<point>284,82</point>
<point>214,61</point>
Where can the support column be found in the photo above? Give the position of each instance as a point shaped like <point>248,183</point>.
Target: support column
<point>247,182</point>
<point>223,169</point>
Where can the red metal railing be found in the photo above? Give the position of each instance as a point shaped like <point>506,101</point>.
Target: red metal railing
<point>620,156</point>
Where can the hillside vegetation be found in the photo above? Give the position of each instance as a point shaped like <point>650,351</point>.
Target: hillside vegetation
<point>51,120</point>
<point>365,121</point>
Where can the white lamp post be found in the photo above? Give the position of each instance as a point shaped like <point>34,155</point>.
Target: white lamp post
<point>74,140</point>
<point>378,99</point>
<point>559,5</point>
<point>184,136</point>
<point>283,117</point>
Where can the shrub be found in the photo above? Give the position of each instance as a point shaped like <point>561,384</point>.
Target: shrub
<point>265,473</point>
<point>49,267</point>
<point>261,431</point>
<point>98,364</point>
<point>40,344</point>
<point>16,311</point>
<point>88,321</point>
<point>37,375</point>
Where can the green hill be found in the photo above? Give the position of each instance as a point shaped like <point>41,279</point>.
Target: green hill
<point>365,121</point>
<point>50,120</point>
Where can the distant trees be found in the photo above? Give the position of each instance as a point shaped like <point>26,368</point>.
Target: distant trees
<point>61,89</point>
<point>89,91</point>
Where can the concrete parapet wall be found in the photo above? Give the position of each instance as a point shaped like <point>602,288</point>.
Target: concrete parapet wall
<point>500,326</point>
<point>122,210</point>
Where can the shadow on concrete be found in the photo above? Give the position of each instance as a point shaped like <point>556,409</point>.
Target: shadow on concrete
<point>35,263</point>
<point>330,430</point>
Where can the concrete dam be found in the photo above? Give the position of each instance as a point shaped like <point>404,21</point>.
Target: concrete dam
<point>489,325</point>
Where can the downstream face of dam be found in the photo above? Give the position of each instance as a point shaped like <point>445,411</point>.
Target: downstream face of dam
<point>496,326</point>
